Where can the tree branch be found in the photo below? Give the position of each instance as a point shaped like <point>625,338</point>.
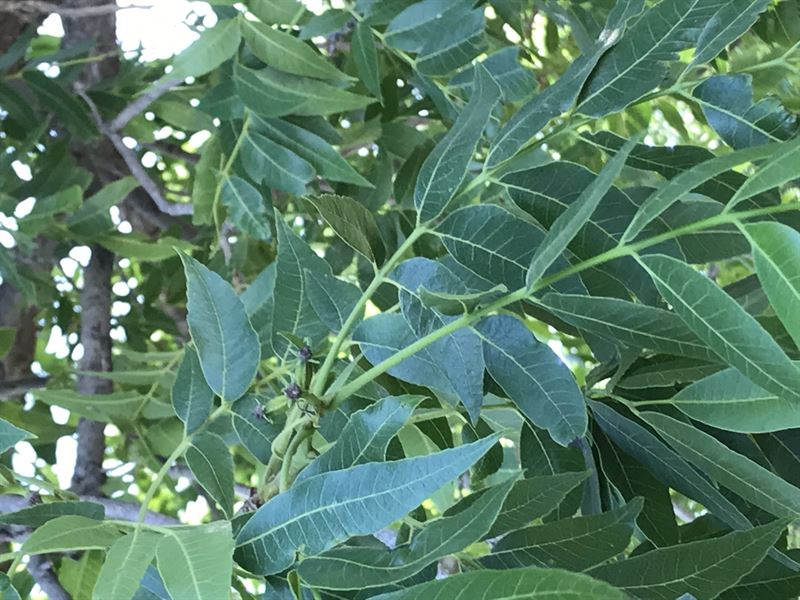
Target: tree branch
<point>135,167</point>
<point>37,7</point>
<point>142,102</point>
<point>41,569</point>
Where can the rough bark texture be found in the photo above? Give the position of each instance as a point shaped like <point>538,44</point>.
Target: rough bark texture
<point>95,329</point>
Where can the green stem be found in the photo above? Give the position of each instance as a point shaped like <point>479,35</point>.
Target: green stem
<point>522,294</point>
<point>286,467</point>
<point>176,454</point>
<point>321,377</point>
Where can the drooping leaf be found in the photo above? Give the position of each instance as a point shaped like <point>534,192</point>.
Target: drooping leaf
<point>246,207</point>
<point>576,544</point>
<point>445,168</point>
<point>70,532</point>
<point>534,378</point>
<point>275,165</point>
<point>365,437</point>
<point>310,147</point>
<point>353,223</point>
<point>192,399</point>
<point>226,343</point>
<point>703,569</point>
<point>365,56</point>
<point>331,506</point>
<point>210,461</point>
<point>125,564</point>
<point>727,102</point>
<point>728,24</point>
<point>776,250</point>
<point>720,322</point>
<point>728,400</point>
<point>197,562</point>
<point>210,50</point>
<point>561,95</point>
<point>256,430</point>
<point>629,323</point>
<point>736,472</point>
<point>287,53</point>
<point>572,220</point>
<point>638,62</point>
<point>10,435</point>
<point>92,216</point>
<point>507,585</point>
<point>359,568</point>
<point>106,407</point>
<point>292,312</point>
<point>39,514</point>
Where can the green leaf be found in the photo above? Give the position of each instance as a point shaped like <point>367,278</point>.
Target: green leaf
<point>258,301</point>
<point>39,514</point>
<point>533,377</point>
<point>205,182</point>
<point>105,407</point>
<point>637,64</point>
<point>689,179</point>
<point>287,53</point>
<point>226,343</point>
<point>277,12</point>
<point>720,322</point>
<point>246,207</point>
<point>770,579</point>
<point>365,437</point>
<point>192,399</point>
<point>452,366</point>
<point>67,200</point>
<point>197,562</point>
<point>10,435</point>
<point>7,335</point>
<point>531,499</point>
<point>728,400</point>
<point>365,57</point>
<point>775,172</point>
<point>632,324</point>
<point>446,166</point>
<point>272,93</point>
<point>125,565</point>
<point>353,223</point>
<point>321,510</point>
<point>292,311</point>
<point>667,466</point>
<point>453,46</point>
<point>358,568</point>
<point>515,81</point>
<point>731,21</point>
<point>92,216</point>
<point>312,148</point>
<point>78,577</point>
<point>727,102</point>
<point>412,28</point>
<point>575,544</point>
<point>776,250</point>
<point>278,167</point>
<point>210,50</point>
<point>210,461</point>
<point>142,248</point>
<point>703,569</point>
<point>572,220</point>
<point>553,584</point>
<point>255,432</point>
<point>736,472</point>
<point>494,244</point>
<point>331,298</point>
<point>70,532</point>
<point>69,108</point>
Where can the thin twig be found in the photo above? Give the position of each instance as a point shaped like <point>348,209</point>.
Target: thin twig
<point>40,7</point>
<point>142,102</point>
<point>135,167</point>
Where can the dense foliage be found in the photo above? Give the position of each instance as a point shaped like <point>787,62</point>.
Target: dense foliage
<point>506,290</point>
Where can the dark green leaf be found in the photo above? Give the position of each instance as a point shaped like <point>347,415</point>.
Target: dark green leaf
<point>210,461</point>
<point>276,166</point>
<point>331,298</point>
<point>10,435</point>
<point>321,510</point>
<point>255,429</point>
<point>39,514</point>
<point>69,108</point>
<point>351,222</point>
<point>70,532</point>
<point>365,56</point>
<point>226,343</point>
<point>533,376</point>
<point>192,399</point>
<point>730,21</point>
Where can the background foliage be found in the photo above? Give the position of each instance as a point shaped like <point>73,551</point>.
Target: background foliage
<point>505,291</point>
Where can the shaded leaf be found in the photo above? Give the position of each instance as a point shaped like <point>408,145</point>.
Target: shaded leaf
<point>353,223</point>
<point>245,207</point>
<point>192,399</point>
<point>212,465</point>
<point>10,435</point>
